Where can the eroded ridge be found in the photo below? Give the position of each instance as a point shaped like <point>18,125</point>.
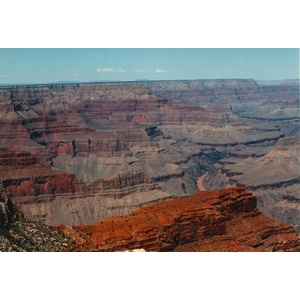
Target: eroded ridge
<point>221,220</point>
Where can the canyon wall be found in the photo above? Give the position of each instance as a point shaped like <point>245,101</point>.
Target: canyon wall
<point>223,220</point>
<point>76,153</point>
<point>273,177</point>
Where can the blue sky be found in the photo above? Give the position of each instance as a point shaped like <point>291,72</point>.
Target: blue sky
<point>48,65</point>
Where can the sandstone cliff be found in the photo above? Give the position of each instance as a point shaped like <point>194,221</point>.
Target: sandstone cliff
<point>224,220</point>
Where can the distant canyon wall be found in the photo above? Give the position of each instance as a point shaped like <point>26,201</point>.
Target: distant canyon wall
<point>76,153</point>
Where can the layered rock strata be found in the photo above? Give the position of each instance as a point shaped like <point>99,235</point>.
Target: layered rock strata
<point>76,153</point>
<point>223,220</point>
<point>273,177</point>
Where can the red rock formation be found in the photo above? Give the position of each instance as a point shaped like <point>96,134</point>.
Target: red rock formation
<point>221,220</point>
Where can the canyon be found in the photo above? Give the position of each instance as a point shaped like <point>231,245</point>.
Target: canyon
<point>74,154</point>
<point>223,220</point>
<point>220,220</point>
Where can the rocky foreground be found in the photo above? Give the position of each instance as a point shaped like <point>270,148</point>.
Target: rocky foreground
<point>18,234</point>
<point>223,220</point>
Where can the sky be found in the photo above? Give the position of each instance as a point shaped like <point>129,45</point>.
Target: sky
<point>43,65</point>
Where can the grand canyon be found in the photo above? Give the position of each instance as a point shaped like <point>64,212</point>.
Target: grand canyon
<point>183,165</point>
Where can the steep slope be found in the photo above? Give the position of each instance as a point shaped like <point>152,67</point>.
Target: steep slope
<point>223,220</point>
<point>274,178</point>
<point>7,211</point>
<point>285,109</point>
<point>19,234</point>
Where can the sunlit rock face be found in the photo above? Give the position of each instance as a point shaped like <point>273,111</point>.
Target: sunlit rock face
<point>222,220</point>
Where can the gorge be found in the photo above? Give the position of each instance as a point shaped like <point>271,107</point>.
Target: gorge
<point>75,154</point>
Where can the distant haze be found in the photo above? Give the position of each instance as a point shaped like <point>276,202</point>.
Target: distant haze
<point>21,66</point>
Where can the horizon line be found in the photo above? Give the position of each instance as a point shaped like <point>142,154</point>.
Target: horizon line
<point>138,80</point>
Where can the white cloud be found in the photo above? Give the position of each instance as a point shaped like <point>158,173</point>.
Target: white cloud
<point>77,75</point>
<point>3,76</point>
<point>110,70</point>
<point>161,71</point>
<point>138,71</point>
